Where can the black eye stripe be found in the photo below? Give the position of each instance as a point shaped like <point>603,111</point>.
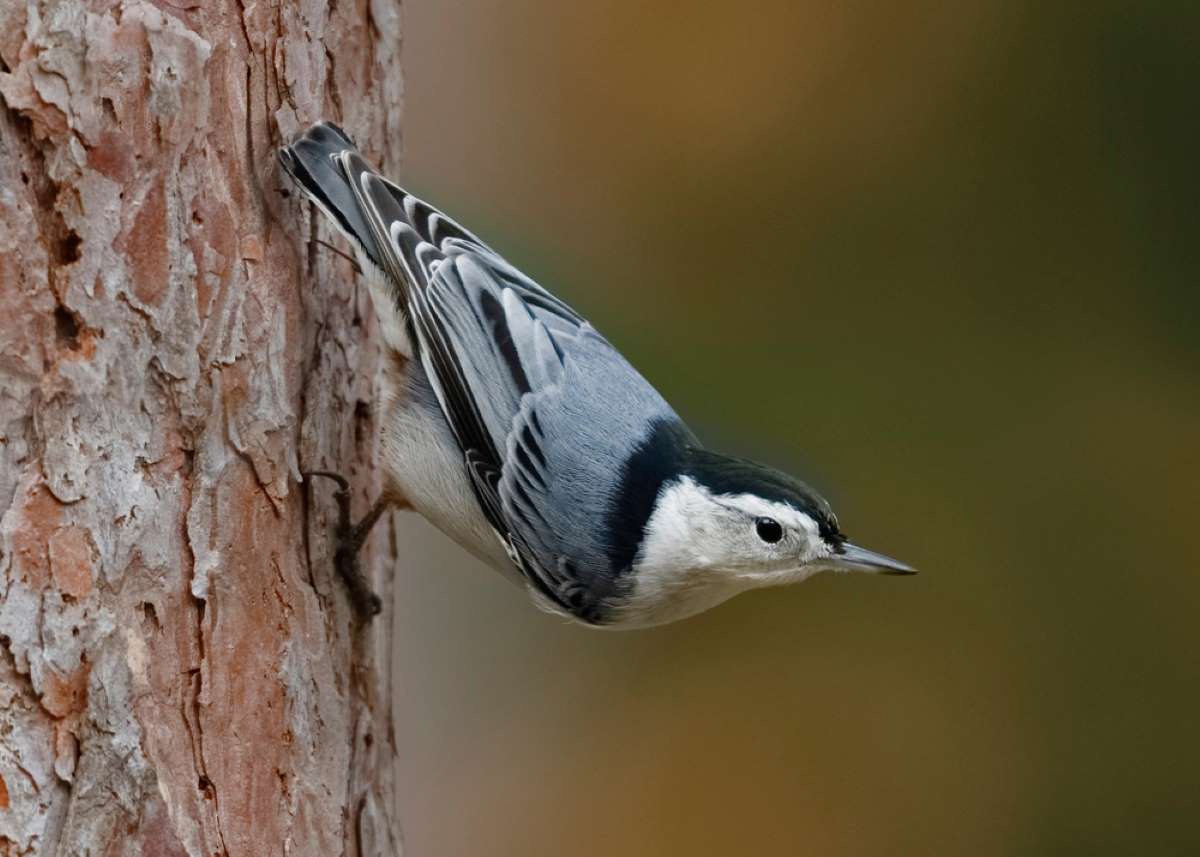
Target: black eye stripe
<point>768,529</point>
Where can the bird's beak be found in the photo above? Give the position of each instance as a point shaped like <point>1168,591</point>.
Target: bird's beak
<point>850,557</point>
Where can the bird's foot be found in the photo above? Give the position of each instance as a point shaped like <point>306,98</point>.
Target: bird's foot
<point>350,540</point>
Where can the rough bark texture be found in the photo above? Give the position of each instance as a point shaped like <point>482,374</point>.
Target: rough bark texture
<point>180,671</point>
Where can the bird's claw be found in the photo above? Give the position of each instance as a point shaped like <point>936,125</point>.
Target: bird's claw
<point>350,539</point>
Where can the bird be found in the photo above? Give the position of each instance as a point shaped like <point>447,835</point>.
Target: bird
<point>513,426</point>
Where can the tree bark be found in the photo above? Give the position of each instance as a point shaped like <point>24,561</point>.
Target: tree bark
<point>180,670</point>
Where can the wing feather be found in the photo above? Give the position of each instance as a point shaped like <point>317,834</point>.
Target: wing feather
<point>525,385</point>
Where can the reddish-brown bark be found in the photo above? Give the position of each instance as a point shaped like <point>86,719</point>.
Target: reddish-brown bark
<point>180,672</point>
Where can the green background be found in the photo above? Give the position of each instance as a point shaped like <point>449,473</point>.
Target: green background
<point>942,260</point>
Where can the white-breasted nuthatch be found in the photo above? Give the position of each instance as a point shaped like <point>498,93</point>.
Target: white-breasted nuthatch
<point>520,432</point>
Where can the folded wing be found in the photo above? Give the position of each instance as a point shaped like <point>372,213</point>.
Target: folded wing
<point>542,406</point>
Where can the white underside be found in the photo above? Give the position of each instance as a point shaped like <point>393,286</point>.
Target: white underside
<point>423,463</point>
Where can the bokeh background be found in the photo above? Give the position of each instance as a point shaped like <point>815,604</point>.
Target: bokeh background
<point>943,261</point>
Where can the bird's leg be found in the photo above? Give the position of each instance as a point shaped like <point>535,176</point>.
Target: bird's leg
<point>350,539</point>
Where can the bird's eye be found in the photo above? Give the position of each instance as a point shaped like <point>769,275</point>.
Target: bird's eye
<point>768,529</point>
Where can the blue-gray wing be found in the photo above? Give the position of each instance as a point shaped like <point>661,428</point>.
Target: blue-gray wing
<point>546,412</point>
<point>564,460</point>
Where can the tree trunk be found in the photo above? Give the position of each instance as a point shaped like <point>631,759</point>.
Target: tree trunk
<point>181,671</point>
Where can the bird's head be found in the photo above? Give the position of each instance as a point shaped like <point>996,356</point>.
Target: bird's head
<point>724,525</point>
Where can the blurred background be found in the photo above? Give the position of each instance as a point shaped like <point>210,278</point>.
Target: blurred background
<point>942,261</point>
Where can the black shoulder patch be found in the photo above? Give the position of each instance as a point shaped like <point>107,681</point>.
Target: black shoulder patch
<point>723,474</point>
<point>658,458</point>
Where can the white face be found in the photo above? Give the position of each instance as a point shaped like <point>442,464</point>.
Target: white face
<point>700,549</point>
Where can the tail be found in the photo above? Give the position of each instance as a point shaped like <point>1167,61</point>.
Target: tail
<point>316,161</point>
<point>400,240</point>
<point>312,162</point>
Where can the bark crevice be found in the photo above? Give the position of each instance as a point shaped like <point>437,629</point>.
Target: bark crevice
<point>180,674</point>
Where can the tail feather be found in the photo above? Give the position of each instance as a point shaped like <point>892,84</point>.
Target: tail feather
<point>316,162</point>
<point>311,161</point>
